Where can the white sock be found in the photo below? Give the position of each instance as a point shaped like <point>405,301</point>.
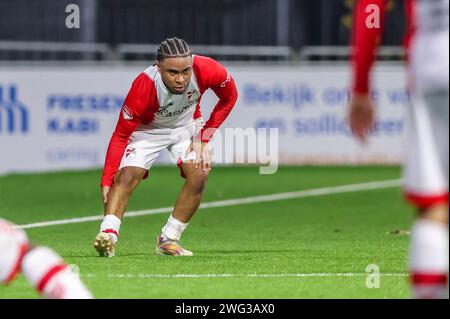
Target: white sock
<point>428,262</point>
<point>13,245</point>
<point>111,225</point>
<point>173,229</point>
<point>51,277</point>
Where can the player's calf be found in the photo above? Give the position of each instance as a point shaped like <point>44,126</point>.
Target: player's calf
<point>51,277</point>
<point>117,200</point>
<point>106,240</point>
<point>429,254</point>
<point>196,179</point>
<point>42,267</point>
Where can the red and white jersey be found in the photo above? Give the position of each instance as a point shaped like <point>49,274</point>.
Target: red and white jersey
<point>426,41</point>
<point>429,47</point>
<point>150,106</point>
<point>175,110</point>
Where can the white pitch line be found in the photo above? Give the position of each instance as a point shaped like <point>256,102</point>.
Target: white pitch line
<point>246,275</point>
<point>237,201</point>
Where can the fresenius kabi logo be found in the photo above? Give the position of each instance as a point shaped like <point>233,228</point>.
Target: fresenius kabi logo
<point>13,114</point>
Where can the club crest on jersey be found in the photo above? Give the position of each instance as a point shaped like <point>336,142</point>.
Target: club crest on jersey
<point>192,95</point>
<point>130,153</point>
<point>126,112</point>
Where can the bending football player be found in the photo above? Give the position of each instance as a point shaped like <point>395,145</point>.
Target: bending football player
<point>162,111</point>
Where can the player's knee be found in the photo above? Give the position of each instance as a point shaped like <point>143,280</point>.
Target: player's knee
<point>198,181</point>
<point>128,179</point>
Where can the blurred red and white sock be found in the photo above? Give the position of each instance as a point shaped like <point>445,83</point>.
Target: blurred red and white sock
<point>111,226</point>
<point>13,245</point>
<point>428,261</point>
<point>51,277</point>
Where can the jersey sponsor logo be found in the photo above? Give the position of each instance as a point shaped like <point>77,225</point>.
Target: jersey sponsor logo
<point>227,80</point>
<point>170,110</point>
<point>167,106</point>
<point>126,112</point>
<point>164,112</point>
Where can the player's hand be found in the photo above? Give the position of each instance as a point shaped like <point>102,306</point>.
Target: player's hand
<point>361,116</point>
<point>206,157</point>
<point>202,154</point>
<point>105,191</point>
<point>196,147</point>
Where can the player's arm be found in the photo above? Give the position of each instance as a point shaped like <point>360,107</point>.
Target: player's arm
<point>366,39</point>
<point>224,87</point>
<point>214,76</point>
<point>137,100</point>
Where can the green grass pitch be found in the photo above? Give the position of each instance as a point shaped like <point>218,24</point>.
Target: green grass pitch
<point>301,244</point>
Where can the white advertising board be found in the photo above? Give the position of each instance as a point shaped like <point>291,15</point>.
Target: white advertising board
<point>55,118</point>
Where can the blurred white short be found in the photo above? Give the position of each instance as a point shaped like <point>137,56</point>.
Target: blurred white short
<point>427,149</point>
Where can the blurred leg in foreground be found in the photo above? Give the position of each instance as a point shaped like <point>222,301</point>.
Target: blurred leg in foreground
<point>43,268</point>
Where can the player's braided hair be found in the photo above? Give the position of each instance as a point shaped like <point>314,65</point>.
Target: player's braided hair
<point>173,48</point>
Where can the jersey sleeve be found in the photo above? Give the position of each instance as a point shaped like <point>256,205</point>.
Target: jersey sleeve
<point>136,103</point>
<point>365,37</point>
<point>220,81</point>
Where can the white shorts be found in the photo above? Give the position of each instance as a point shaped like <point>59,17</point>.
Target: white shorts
<point>426,169</point>
<point>144,146</point>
